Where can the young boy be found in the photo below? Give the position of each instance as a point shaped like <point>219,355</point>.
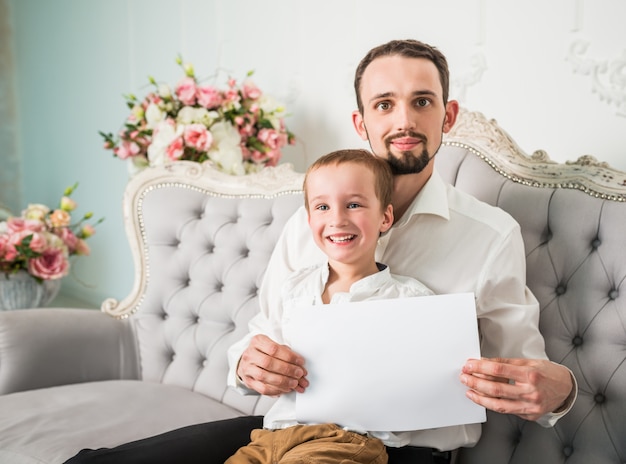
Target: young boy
<point>347,197</point>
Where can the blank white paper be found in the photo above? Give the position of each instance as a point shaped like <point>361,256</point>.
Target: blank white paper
<point>387,365</point>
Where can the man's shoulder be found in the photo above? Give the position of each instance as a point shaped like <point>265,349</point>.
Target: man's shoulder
<point>466,207</point>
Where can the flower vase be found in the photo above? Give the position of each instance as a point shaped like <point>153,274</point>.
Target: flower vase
<point>20,290</point>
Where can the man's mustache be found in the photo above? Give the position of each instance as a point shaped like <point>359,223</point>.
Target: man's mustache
<point>400,135</point>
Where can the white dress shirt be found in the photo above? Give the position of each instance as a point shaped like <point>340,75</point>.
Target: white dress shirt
<point>452,243</point>
<point>305,287</point>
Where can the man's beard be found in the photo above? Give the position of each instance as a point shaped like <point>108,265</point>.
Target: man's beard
<point>407,162</point>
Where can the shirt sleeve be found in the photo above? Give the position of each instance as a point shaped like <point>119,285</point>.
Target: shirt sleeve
<point>508,312</point>
<point>295,249</point>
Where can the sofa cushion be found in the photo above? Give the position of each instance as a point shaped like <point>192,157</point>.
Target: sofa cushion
<point>103,414</point>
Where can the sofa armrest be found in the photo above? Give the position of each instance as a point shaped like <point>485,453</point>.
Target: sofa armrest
<point>47,347</point>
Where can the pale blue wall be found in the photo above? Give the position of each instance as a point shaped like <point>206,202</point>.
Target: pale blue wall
<point>75,58</point>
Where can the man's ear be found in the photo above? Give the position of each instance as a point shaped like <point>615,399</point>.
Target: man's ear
<point>452,110</point>
<point>359,124</point>
<point>387,219</point>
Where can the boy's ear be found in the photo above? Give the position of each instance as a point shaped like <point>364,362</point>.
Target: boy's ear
<point>387,219</point>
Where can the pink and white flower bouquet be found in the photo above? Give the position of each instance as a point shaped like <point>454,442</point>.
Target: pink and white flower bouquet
<point>41,240</point>
<point>239,129</point>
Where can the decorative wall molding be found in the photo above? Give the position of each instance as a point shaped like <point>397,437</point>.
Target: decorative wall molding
<point>608,78</point>
<point>478,66</point>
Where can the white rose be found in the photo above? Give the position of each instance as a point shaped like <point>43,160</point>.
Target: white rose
<point>190,115</point>
<point>163,135</point>
<point>272,110</point>
<point>154,115</point>
<point>164,91</point>
<point>227,154</point>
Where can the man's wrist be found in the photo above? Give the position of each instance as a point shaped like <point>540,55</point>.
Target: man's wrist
<point>567,403</point>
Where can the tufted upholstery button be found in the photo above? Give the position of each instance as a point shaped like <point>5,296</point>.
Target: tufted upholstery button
<point>577,341</point>
<point>595,244</point>
<point>205,363</point>
<point>165,316</point>
<point>613,294</point>
<point>210,249</point>
<point>567,451</point>
<point>245,253</point>
<point>599,398</point>
<point>560,290</point>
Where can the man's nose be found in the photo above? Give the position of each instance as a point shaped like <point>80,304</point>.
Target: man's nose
<point>404,117</point>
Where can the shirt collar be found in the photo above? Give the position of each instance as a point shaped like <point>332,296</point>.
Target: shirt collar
<point>432,199</point>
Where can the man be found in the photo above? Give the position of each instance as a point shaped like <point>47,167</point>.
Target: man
<point>441,237</point>
<point>448,241</point>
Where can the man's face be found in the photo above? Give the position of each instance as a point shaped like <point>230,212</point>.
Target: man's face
<point>403,112</point>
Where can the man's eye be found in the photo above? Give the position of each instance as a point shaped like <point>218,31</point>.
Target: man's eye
<point>383,106</point>
<point>353,205</point>
<point>422,102</point>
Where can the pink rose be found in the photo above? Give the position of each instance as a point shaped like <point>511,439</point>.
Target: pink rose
<point>68,238</point>
<point>52,264</point>
<point>273,157</point>
<point>250,90</point>
<point>127,149</point>
<point>175,149</point>
<point>82,249</point>
<point>186,91</point>
<point>257,156</point>
<point>15,224</point>
<point>7,250</point>
<point>60,218</point>
<point>232,96</point>
<point>271,138</point>
<point>209,97</point>
<point>197,136</point>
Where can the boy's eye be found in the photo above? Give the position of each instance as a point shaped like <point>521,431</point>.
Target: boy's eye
<point>322,207</point>
<point>353,205</point>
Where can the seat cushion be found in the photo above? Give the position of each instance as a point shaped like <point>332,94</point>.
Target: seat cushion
<point>52,424</point>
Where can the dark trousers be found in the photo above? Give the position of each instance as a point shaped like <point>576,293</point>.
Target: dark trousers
<point>210,443</point>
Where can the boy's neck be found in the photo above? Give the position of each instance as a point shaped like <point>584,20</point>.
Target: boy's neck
<point>342,276</point>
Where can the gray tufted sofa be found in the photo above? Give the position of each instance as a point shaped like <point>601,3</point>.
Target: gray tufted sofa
<point>156,360</point>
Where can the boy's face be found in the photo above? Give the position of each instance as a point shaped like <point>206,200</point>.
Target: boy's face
<point>403,112</point>
<point>345,216</point>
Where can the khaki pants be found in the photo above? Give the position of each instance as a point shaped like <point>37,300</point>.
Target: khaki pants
<point>320,444</point>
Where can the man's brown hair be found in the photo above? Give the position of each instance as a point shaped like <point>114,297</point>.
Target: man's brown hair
<point>409,49</point>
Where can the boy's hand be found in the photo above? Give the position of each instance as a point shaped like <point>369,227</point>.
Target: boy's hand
<point>271,369</point>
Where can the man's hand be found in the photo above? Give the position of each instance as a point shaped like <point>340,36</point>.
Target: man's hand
<point>528,388</point>
<point>271,369</point>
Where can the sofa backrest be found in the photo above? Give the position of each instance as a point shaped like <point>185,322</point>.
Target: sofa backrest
<point>201,241</point>
<point>573,221</point>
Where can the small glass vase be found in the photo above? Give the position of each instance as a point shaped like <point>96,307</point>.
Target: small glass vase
<point>21,291</point>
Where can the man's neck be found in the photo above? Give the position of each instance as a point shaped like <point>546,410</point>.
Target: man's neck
<point>405,189</point>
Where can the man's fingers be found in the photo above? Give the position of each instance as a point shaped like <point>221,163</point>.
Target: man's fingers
<point>271,369</point>
<point>498,368</point>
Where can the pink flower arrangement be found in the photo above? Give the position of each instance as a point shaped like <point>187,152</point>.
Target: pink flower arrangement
<point>42,240</point>
<point>239,129</point>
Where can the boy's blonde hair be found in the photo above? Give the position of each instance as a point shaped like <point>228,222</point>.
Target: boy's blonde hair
<point>383,178</point>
